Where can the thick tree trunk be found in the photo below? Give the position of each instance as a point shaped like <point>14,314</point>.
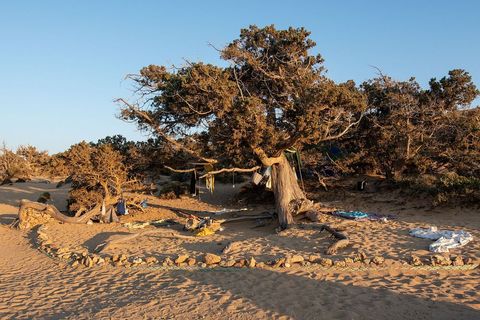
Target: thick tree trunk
<point>286,189</point>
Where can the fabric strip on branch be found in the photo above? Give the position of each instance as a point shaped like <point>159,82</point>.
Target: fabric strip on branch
<point>294,157</point>
<point>256,178</point>
<point>210,183</point>
<point>193,183</point>
<point>268,184</point>
<point>210,178</point>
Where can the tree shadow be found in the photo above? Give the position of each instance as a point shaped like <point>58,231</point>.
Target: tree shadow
<point>99,238</point>
<point>12,194</point>
<point>7,219</point>
<point>300,297</point>
<point>178,211</point>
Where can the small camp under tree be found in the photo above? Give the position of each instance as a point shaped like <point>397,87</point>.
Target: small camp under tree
<point>273,96</point>
<point>98,177</point>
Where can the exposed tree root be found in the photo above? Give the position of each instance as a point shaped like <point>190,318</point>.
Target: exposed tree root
<point>342,239</point>
<point>32,213</point>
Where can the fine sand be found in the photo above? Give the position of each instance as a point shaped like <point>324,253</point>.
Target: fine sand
<point>34,286</point>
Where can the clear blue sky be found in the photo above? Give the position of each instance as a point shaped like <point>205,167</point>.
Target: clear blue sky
<point>63,62</point>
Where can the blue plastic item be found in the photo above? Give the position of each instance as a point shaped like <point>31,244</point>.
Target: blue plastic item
<point>351,214</point>
<point>121,208</point>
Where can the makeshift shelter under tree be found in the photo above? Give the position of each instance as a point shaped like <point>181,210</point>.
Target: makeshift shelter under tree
<point>273,96</point>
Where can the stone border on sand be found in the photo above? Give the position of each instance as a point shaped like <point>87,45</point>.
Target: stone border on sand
<point>212,261</point>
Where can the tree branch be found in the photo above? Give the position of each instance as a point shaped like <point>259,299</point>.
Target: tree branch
<point>266,160</point>
<point>238,84</point>
<point>192,108</point>
<point>158,130</point>
<point>341,134</point>
<point>180,170</point>
<point>229,170</point>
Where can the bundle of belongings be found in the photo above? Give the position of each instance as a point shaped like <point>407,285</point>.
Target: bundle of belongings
<point>111,213</point>
<point>122,207</point>
<point>202,227</point>
<point>263,178</point>
<point>445,239</point>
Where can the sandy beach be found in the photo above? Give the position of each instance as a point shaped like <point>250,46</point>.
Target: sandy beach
<point>35,286</point>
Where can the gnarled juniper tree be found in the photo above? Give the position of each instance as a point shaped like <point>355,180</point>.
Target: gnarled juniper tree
<point>274,95</point>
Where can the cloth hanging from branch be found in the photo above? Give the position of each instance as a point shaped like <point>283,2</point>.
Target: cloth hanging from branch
<point>210,183</point>
<point>293,156</point>
<point>193,182</point>
<point>210,179</point>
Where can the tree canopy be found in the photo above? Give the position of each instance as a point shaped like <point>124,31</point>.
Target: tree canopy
<point>274,95</point>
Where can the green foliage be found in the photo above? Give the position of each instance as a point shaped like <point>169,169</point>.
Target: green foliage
<point>274,95</point>
<point>98,173</point>
<point>444,188</point>
<point>408,134</point>
<point>174,189</point>
<point>14,165</point>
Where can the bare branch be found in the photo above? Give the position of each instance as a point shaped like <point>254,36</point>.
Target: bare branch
<point>192,108</point>
<point>266,160</point>
<point>238,84</point>
<point>336,163</point>
<point>211,173</point>
<point>341,134</point>
<point>180,170</point>
<point>158,130</point>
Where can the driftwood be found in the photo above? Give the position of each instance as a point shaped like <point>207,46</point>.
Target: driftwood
<point>116,239</point>
<point>246,217</point>
<point>194,222</point>
<point>32,213</point>
<point>249,217</point>
<point>342,239</point>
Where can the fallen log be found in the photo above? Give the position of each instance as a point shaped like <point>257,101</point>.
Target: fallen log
<point>32,213</point>
<point>342,239</point>
<point>249,217</point>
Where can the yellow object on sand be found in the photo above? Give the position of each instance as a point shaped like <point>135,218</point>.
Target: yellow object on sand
<point>204,232</point>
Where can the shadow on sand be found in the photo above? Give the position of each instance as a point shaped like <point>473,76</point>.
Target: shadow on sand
<point>301,297</point>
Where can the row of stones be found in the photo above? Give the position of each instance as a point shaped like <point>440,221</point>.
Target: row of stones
<point>33,218</point>
<point>441,260</point>
<point>84,258</point>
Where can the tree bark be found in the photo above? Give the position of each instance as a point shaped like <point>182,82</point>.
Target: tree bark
<point>286,189</point>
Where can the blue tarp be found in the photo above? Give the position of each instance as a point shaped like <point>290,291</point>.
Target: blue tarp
<point>351,214</point>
